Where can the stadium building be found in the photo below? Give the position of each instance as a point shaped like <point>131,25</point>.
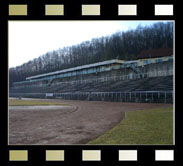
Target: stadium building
<point>147,79</point>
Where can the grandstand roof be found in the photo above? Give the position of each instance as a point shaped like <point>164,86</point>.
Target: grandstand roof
<point>155,53</point>
<point>113,61</point>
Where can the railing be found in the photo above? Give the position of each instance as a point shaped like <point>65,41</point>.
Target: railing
<point>112,78</point>
<point>140,96</point>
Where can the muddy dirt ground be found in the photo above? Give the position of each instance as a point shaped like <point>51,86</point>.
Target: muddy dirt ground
<point>78,123</point>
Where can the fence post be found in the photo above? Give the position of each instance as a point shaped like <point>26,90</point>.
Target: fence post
<point>140,96</point>
<point>165,96</point>
<point>130,96</point>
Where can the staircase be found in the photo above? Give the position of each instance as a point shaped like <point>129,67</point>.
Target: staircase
<point>137,71</point>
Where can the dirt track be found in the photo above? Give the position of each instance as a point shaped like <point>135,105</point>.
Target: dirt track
<point>77,124</point>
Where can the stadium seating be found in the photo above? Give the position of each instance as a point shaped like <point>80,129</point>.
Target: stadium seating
<point>146,84</point>
<point>152,89</point>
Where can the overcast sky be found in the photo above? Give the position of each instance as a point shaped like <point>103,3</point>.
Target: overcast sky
<point>31,39</point>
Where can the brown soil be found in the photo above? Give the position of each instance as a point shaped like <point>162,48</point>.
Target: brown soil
<point>77,124</point>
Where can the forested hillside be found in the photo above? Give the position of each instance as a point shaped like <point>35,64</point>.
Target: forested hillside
<point>120,45</point>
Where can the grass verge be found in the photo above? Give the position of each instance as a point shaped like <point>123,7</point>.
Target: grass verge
<point>154,126</point>
<point>17,102</point>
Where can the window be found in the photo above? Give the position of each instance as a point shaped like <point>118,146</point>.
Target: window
<point>103,68</point>
<point>158,60</point>
<point>136,63</point>
<point>146,62</point>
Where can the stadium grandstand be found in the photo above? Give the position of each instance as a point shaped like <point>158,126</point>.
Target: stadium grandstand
<point>147,79</point>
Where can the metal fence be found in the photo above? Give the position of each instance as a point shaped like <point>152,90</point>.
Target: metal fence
<point>109,78</point>
<point>141,96</point>
<point>121,77</point>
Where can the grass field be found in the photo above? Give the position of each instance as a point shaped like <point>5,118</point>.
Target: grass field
<point>153,126</point>
<point>17,102</point>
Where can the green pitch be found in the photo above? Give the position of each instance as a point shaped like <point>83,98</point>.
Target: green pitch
<point>153,126</point>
